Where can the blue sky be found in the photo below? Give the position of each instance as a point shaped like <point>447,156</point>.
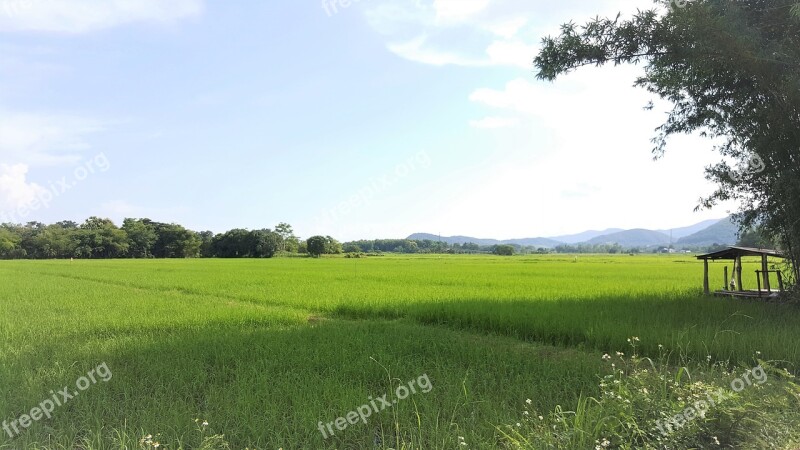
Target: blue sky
<point>374,118</point>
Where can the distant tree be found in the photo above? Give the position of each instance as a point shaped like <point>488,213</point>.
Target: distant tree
<point>755,238</point>
<point>286,233</point>
<point>332,246</point>
<point>141,237</point>
<point>316,245</point>
<point>236,243</point>
<point>351,247</point>
<point>56,241</point>
<point>175,241</point>
<point>9,243</point>
<point>265,243</point>
<point>100,238</point>
<point>206,239</point>
<point>504,250</point>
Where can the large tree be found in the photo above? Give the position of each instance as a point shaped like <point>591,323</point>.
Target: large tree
<point>731,70</point>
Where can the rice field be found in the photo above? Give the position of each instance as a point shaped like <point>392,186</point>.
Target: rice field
<point>269,352</point>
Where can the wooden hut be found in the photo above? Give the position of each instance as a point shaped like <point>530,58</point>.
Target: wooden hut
<point>735,254</point>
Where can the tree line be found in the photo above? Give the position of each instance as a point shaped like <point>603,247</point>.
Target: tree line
<point>100,238</point>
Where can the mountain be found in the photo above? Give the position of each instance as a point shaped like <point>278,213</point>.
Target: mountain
<point>722,232</point>
<point>452,239</point>
<point>633,238</point>
<point>585,236</point>
<point>678,233</point>
<point>707,232</point>
<point>535,242</point>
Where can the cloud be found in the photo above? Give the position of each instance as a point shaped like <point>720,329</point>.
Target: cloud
<point>15,190</point>
<point>480,33</point>
<point>417,50</point>
<point>44,139</point>
<point>494,122</point>
<point>458,10</point>
<point>81,16</point>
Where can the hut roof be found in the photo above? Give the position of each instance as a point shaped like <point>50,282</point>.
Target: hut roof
<point>735,252</point>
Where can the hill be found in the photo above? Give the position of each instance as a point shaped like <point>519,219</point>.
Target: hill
<point>722,232</point>
<point>633,238</point>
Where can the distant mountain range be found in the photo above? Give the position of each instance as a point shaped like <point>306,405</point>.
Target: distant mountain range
<point>708,232</point>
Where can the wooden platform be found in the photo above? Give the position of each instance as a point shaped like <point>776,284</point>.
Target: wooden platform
<point>746,294</point>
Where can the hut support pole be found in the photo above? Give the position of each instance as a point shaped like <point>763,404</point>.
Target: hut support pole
<point>706,289</point>
<point>726,287</point>
<point>765,271</point>
<point>738,263</point>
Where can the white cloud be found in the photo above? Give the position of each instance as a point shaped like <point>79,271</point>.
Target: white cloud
<point>44,139</point>
<point>511,53</point>
<point>507,28</point>
<point>458,10</point>
<point>480,33</point>
<point>15,190</point>
<point>80,16</point>
<point>417,50</point>
<point>494,122</point>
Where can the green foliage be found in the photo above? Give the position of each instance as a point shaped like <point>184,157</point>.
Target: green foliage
<point>732,71</point>
<point>504,250</point>
<point>316,246</point>
<point>648,403</point>
<point>141,238</point>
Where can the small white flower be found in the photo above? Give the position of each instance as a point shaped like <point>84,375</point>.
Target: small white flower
<point>528,401</point>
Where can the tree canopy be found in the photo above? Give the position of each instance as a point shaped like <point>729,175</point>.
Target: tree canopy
<point>731,70</point>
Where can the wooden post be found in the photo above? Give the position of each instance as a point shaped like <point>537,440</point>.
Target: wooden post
<point>765,271</point>
<point>780,280</point>
<point>738,263</point>
<point>758,278</point>
<point>725,287</point>
<point>706,290</point>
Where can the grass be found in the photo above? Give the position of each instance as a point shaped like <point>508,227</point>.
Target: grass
<point>266,349</point>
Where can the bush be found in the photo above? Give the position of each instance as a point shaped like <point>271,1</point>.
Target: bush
<point>649,405</point>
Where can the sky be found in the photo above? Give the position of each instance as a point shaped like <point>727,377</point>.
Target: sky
<point>350,118</point>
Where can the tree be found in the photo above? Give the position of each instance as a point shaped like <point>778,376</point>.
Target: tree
<point>315,245</point>
<point>100,238</point>
<point>504,250</point>
<point>286,233</point>
<point>175,241</point>
<point>141,237</point>
<point>332,246</point>
<point>731,71</point>
<point>265,243</point>
<point>236,243</point>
